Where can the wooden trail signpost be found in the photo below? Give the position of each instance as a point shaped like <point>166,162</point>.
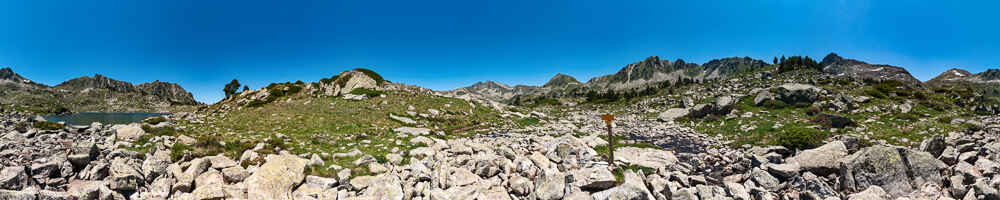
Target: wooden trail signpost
<point>611,139</point>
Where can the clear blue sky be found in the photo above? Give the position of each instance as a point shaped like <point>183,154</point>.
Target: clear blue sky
<point>448,44</point>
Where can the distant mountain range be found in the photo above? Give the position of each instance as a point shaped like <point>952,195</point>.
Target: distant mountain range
<point>653,71</point>
<point>90,94</point>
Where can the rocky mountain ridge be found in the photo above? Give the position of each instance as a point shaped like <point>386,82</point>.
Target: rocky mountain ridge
<point>92,94</point>
<point>652,71</point>
<point>839,66</point>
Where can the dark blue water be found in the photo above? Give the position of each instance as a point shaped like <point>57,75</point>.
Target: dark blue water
<point>87,118</point>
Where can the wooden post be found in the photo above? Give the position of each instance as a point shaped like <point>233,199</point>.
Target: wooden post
<point>611,139</point>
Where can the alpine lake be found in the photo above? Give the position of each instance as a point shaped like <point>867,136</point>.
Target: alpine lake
<point>87,118</point>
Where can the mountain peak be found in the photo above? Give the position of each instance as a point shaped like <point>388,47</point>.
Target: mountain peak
<point>7,73</point>
<point>560,80</point>
<point>831,58</point>
<point>989,75</point>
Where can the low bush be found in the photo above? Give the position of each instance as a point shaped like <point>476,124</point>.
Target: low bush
<point>47,125</point>
<point>799,138</point>
<point>155,120</point>
<point>366,92</point>
<point>547,101</point>
<point>528,121</point>
<point>178,150</point>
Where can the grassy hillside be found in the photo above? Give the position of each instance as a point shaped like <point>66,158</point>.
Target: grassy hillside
<point>304,123</point>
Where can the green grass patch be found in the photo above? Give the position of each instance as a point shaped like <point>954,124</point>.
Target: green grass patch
<point>366,92</point>
<point>155,120</point>
<point>528,121</point>
<point>47,125</point>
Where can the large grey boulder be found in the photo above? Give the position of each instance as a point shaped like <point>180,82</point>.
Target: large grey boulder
<point>156,165</point>
<point>898,171</point>
<point>595,178</point>
<point>13,178</point>
<point>634,188</point>
<point>785,171</point>
<point>461,177</point>
<point>129,132</point>
<point>276,178</point>
<point>550,186</point>
<point>934,145</point>
<point>123,176</point>
<point>765,180</point>
<point>387,187</point>
<point>762,97</point>
<point>208,186</point>
<point>672,114</point>
<point>823,160</point>
<point>521,186</point>
<point>82,153</point>
<point>645,157</point>
<point>724,104</point>
<point>568,152</point>
<point>814,187</point>
<point>18,195</point>
<point>833,120</point>
<point>872,193</point>
<point>795,93</point>
<point>412,131</point>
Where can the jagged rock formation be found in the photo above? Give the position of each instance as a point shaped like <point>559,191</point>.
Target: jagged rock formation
<point>91,94</point>
<point>839,66</point>
<point>653,70</point>
<point>170,91</point>
<point>347,81</point>
<point>489,90</point>
<point>559,85</point>
<point>8,77</point>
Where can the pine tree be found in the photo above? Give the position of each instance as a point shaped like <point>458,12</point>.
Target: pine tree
<point>231,88</point>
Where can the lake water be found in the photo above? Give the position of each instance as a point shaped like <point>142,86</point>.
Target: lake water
<point>87,118</point>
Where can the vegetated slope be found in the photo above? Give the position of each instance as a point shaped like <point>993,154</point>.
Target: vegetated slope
<point>90,94</point>
<point>647,73</point>
<point>305,118</point>
<point>799,103</point>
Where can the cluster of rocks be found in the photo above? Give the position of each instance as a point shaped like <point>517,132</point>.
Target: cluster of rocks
<point>85,162</point>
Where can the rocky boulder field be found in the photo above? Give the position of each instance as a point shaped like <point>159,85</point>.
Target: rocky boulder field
<point>542,162</point>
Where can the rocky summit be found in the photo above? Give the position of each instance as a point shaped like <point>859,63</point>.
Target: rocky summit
<point>732,128</point>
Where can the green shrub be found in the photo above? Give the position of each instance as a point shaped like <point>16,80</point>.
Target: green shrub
<point>256,103</point>
<point>177,151</point>
<point>813,110</point>
<point>799,138</point>
<point>160,131</point>
<point>908,116</point>
<point>47,125</point>
<point>366,92</point>
<point>329,80</point>
<point>875,93</point>
<point>528,121</point>
<point>945,119</point>
<point>547,101</point>
<point>155,120</point>
<point>972,127</point>
<point>774,104</point>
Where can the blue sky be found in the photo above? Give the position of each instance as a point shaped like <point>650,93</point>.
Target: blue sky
<point>449,44</point>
